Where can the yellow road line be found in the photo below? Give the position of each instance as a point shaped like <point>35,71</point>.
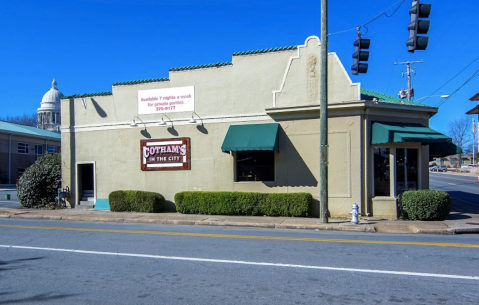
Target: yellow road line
<point>468,180</point>
<point>456,245</point>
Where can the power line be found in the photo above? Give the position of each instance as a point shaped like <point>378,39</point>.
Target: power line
<point>455,76</point>
<point>373,19</point>
<point>460,87</point>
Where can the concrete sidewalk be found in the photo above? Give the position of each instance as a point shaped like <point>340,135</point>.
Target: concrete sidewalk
<point>458,223</point>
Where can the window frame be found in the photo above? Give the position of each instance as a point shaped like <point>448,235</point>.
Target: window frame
<point>236,169</point>
<point>23,150</point>
<point>50,152</point>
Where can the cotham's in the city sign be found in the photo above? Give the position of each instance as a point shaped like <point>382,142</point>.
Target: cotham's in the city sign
<point>165,154</point>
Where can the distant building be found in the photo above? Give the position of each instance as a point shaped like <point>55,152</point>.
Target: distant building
<point>452,160</point>
<point>49,112</point>
<point>20,147</point>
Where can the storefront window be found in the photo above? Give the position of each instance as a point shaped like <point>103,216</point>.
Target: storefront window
<point>406,170</point>
<point>254,166</point>
<point>381,172</point>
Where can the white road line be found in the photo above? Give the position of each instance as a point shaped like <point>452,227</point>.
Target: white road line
<point>195,259</point>
<point>452,184</point>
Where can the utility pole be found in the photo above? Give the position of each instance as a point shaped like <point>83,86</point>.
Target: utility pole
<point>323,119</point>
<point>408,73</point>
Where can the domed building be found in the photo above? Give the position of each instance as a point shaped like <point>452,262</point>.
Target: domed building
<point>49,112</point>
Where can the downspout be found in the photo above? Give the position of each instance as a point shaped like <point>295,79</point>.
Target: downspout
<point>366,163</point>
<point>10,159</point>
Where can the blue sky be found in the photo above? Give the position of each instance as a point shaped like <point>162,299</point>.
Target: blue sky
<point>89,44</point>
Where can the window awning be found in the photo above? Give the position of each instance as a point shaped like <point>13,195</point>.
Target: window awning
<point>403,132</point>
<point>251,137</point>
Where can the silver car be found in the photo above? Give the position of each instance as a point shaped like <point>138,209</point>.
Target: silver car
<point>441,168</point>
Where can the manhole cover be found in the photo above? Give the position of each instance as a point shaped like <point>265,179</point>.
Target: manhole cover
<point>472,223</point>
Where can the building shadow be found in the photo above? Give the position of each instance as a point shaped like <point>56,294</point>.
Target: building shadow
<point>462,205</point>
<point>292,170</point>
<point>202,129</point>
<point>98,109</point>
<point>145,133</point>
<point>170,206</point>
<point>37,298</point>
<point>172,131</point>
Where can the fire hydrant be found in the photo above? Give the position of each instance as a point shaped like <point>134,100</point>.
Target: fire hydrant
<point>354,213</point>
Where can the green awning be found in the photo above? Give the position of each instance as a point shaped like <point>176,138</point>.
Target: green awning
<point>443,150</point>
<point>402,132</point>
<point>251,137</point>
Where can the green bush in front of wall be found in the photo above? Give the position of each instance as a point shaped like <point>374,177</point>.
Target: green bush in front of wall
<point>424,205</point>
<point>39,184</point>
<point>243,203</point>
<point>136,201</point>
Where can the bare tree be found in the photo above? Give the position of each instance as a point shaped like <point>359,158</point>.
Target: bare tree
<point>460,131</point>
<point>25,119</point>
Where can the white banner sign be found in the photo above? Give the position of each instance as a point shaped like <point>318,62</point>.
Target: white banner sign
<point>177,99</point>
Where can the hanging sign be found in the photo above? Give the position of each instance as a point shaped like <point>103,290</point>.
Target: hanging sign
<point>165,154</point>
<point>165,100</point>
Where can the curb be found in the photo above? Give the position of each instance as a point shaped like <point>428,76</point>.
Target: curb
<point>341,227</point>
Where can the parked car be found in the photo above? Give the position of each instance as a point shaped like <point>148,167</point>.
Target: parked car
<point>433,168</point>
<point>467,168</point>
<point>441,168</point>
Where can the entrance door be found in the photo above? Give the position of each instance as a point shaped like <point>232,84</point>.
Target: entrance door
<point>86,183</point>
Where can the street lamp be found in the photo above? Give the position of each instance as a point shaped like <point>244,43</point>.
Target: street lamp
<point>425,97</point>
<point>134,124</point>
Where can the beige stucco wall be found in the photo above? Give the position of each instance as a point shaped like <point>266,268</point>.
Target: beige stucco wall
<point>269,87</point>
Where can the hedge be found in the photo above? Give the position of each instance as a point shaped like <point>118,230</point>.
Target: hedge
<point>424,205</point>
<point>136,201</point>
<point>242,203</point>
<point>39,184</point>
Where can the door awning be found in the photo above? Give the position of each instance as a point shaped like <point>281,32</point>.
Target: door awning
<point>251,137</point>
<point>443,150</point>
<point>403,132</point>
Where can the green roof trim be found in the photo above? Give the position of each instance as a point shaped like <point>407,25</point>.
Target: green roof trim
<point>143,81</point>
<point>215,65</point>
<point>88,95</point>
<point>369,95</point>
<point>265,50</point>
<point>6,127</point>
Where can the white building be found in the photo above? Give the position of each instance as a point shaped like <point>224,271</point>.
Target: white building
<point>49,112</point>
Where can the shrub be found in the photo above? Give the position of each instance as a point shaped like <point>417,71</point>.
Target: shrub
<point>425,205</point>
<point>39,184</point>
<point>118,202</point>
<point>136,201</point>
<point>242,203</point>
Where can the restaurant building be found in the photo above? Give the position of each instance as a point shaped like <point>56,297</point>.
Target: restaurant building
<point>249,125</point>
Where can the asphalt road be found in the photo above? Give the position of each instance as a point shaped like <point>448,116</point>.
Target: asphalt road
<point>46,262</point>
<point>464,188</point>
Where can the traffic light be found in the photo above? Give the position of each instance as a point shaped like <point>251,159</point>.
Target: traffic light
<point>360,55</point>
<point>418,26</point>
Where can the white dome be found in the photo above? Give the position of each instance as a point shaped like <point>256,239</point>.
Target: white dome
<point>52,99</point>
